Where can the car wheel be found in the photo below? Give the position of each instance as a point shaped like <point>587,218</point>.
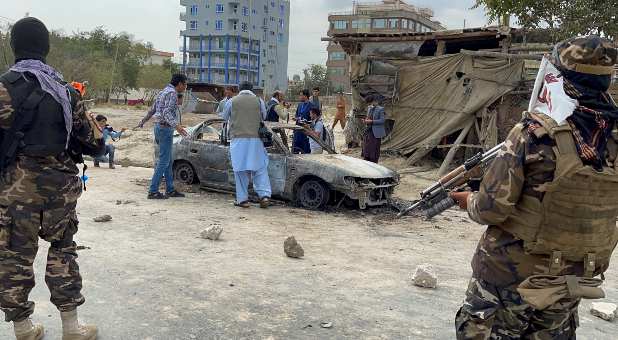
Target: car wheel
<point>184,173</point>
<point>313,195</point>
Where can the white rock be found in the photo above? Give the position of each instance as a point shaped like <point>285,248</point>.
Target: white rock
<point>604,310</point>
<point>425,276</point>
<point>213,232</point>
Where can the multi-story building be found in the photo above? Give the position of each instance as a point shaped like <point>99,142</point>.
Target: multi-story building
<point>388,16</point>
<point>230,41</point>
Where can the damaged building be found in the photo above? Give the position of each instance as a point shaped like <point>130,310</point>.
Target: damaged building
<point>451,93</point>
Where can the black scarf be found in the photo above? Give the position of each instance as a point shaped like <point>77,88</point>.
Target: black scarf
<point>594,118</point>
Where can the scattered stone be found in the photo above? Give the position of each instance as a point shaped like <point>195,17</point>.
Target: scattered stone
<point>448,219</point>
<point>128,202</point>
<point>326,325</point>
<point>425,276</point>
<point>292,248</point>
<point>118,202</point>
<point>604,310</point>
<point>102,219</point>
<point>213,232</point>
<point>82,248</point>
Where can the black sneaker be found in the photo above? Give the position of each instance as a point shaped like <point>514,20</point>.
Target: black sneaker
<point>156,196</point>
<point>175,194</point>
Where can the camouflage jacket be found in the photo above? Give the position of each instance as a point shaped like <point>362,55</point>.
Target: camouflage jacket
<point>525,167</point>
<point>36,182</point>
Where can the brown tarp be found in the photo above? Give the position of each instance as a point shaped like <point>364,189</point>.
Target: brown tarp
<point>439,96</point>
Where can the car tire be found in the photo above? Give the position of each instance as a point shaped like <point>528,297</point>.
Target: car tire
<point>185,173</point>
<point>313,195</point>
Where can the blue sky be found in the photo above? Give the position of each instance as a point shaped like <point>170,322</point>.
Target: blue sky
<point>157,21</point>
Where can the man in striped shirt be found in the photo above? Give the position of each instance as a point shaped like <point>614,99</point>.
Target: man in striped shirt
<point>165,112</point>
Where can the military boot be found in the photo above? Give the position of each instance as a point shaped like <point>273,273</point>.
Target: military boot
<point>25,330</point>
<point>72,330</point>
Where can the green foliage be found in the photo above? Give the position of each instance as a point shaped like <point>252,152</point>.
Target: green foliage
<point>562,18</point>
<point>109,62</point>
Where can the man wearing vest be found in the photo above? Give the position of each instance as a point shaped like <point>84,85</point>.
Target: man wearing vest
<point>276,109</point>
<point>550,200</point>
<point>39,186</point>
<point>245,112</point>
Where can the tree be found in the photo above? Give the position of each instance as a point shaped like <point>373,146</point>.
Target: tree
<point>562,18</point>
<point>152,79</point>
<point>316,76</point>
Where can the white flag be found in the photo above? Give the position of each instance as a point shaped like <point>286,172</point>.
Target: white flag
<point>548,96</point>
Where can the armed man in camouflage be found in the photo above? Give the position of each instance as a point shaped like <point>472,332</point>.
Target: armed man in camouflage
<point>39,185</point>
<point>550,200</point>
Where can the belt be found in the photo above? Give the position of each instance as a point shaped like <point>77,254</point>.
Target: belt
<point>164,124</point>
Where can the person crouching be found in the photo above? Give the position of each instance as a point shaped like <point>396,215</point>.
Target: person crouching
<point>245,112</point>
<point>110,149</point>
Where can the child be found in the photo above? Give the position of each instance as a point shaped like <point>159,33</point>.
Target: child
<point>317,130</point>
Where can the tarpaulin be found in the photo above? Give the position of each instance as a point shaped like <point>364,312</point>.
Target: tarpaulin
<point>438,96</point>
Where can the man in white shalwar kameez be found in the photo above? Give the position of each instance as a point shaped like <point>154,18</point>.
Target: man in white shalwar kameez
<point>245,112</point>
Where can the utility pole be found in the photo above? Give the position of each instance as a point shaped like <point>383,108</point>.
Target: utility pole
<point>111,83</point>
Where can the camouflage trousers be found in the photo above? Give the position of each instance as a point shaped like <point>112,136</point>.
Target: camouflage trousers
<point>20,229</point>
<point>496,313</point>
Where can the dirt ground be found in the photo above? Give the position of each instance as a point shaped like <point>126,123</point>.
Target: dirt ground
<point>149,276</point>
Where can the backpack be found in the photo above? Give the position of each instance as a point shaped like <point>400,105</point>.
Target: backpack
<point>328,137</point>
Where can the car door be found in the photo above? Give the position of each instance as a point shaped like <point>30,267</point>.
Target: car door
<point>209,158</point>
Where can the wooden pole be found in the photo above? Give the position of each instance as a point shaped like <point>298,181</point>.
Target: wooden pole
<point>502,55</point>
<point>451,153</point>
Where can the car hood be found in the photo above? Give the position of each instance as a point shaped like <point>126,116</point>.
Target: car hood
<point>352,167</point>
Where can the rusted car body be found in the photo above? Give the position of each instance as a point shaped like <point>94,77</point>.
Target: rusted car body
<point>311,180</point>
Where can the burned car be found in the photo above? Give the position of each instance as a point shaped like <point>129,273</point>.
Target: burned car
<point>312,181</point>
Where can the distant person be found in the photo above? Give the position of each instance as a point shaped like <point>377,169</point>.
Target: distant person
<point>277,108</point>
<point>340,117</point>
<point>300,143</point>
<point>317,131</point>
<point>376,118</point>
<point>315,99</point>
<point>245,113</point>
<point>107,131</point>
<point>228,93</point>
<point>166,113</point>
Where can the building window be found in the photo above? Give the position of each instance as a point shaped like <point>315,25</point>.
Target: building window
<point>220,8</point>
<point>219,25</point>
<point>272,19</point>
<point>272,4</point>
<point>335,56</point>
<point>336,71</point>
<point>281,23</point>
<point>193,10</point>
<point>245,11</point>
<point>280,37</point>
<point>206,23</point>
<point>404,24</point>
<point>393,23</point>
<point>412,25</point>
<point>341,25</point>
<point>254,11</point>
<point>361,23</point>
<point>193,25</point>
<point>244,27</point>
<point>282,10</point>
<point>379,23</point>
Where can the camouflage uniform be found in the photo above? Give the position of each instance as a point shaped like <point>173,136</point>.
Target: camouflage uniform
<point>493,309</point>
<point>38,197</point>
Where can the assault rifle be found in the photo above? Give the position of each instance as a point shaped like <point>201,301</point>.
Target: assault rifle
<point>436,199</point>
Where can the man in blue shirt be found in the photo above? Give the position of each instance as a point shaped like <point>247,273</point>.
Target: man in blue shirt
<point>165,111</point>
<point>301,141</point>
<point>108,132</point>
